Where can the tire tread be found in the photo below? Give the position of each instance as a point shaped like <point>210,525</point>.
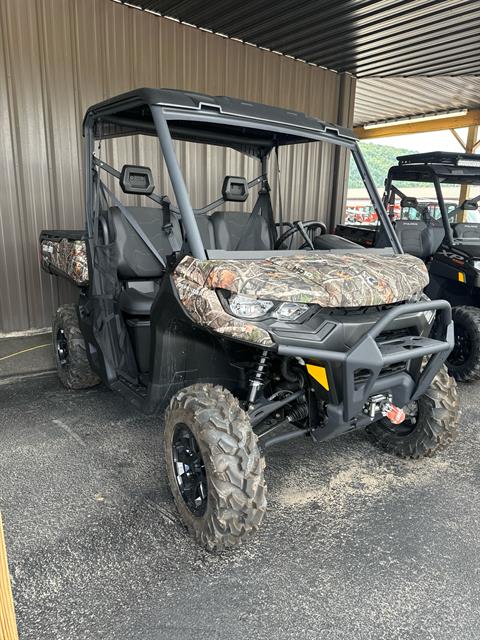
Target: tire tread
<point>230,451</point>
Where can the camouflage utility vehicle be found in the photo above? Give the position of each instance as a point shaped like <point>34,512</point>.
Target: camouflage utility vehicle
<point>447,237</point>
<point>246,330</point>
<point>444,232</point>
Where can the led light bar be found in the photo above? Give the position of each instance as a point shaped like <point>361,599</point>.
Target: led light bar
<point>468,163</point>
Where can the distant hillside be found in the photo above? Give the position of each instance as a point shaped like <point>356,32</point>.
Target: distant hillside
<point>379,159</point>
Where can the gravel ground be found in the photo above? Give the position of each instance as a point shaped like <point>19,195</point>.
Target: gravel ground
<point>356,544</point>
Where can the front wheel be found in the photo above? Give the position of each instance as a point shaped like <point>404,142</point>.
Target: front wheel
<point>431,422</point>
<point>214,467</point>
<point>464,361</point>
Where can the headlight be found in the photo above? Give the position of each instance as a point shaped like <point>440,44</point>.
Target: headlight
<point>254,309</point>
<point>290,311</point>
<point>476,265</point>
<point>244,307</point>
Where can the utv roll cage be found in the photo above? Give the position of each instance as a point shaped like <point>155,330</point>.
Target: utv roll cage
<point>223,121</point>
<point>437,167</point>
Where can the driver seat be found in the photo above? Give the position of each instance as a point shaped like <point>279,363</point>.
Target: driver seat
<point>240,231</point>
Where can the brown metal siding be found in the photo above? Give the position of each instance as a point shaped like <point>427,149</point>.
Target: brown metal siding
<point>59,56</point>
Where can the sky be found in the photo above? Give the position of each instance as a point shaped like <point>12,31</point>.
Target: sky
<point>424,142</point>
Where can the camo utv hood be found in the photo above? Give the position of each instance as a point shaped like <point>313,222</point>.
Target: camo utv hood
<point>350,280</point>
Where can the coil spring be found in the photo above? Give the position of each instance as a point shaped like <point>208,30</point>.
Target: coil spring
<point>261,372</point>
<point>260,376</point>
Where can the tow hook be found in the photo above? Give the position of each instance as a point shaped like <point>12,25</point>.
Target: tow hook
<point>383,404</point>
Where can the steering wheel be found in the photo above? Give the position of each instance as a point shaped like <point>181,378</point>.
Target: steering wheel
<point>307,231</point>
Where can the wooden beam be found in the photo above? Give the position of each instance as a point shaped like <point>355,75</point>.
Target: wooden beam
<point>469,148</point>
<point>458,139</point>
<point>472,118</point>
<point>8,624</point>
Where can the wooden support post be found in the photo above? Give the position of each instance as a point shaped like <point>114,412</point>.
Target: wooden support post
<point>8,623</point>
<point>458,138</point>
<point>470,146</point>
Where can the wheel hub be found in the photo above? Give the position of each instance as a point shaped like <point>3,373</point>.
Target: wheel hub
<point>62,347</point>
<point>462,348</point>
<point>189,470</point>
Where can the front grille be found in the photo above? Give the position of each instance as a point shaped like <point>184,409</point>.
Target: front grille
<point>361,376</point>
<point>348,311</point>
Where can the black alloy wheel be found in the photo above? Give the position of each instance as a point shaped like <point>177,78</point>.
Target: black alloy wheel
<point>190,470</point>
<point>463,347</point>
<point>69,350</point>
<point>464,360</point>
<point>61,347</point>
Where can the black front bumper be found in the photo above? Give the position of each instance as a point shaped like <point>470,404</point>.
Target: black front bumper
<point>369,355</point>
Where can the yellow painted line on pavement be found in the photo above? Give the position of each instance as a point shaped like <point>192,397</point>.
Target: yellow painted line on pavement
<point>17,353</point>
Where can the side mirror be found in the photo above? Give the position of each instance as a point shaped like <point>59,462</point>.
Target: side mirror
<point>235,189</point>
<point>469,205</point>
<point>136,180</point>
<point>409,202</point>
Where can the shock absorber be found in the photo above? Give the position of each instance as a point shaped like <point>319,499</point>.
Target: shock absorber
<point>259,377</point>
<point>298,413</point>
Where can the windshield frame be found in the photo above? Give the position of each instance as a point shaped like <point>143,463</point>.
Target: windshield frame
<point>279,134</point>
<point>165,116</point>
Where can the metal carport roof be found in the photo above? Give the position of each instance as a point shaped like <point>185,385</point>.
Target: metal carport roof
<point>383,99</point>
<point>362,37</point>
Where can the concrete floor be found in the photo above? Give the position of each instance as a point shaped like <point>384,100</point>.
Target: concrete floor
<point>356,544</point>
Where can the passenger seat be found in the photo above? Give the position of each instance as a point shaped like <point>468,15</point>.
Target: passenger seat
<point>466,230</point>
<point>419,238</point>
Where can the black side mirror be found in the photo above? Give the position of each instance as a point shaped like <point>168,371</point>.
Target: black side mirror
<point>409,202</point>
<point>136,180</point>
<point>235,189</point>
<point>469,205</point>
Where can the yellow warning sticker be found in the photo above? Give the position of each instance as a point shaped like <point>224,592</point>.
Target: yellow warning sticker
<point>319,374</point>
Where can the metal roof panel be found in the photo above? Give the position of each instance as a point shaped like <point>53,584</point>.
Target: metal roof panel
<point>362,37</point>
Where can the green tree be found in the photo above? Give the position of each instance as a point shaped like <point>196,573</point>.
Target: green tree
<point>379,159</point>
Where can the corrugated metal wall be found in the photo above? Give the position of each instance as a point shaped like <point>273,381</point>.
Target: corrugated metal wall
<point>59,56</point>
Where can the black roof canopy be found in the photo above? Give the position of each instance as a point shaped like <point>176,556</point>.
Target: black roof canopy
<point>211,119</point>
<point>449,167</point>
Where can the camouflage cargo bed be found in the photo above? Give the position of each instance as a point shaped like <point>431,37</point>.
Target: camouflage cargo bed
<point>63,253</point>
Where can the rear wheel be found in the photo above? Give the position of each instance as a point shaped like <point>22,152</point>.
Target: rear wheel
<point>69,350</point>
<point>464,361</point>
<point>431,422</point>
<point>214,467</point>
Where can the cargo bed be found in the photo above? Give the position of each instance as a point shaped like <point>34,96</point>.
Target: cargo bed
<point>63,253</point>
